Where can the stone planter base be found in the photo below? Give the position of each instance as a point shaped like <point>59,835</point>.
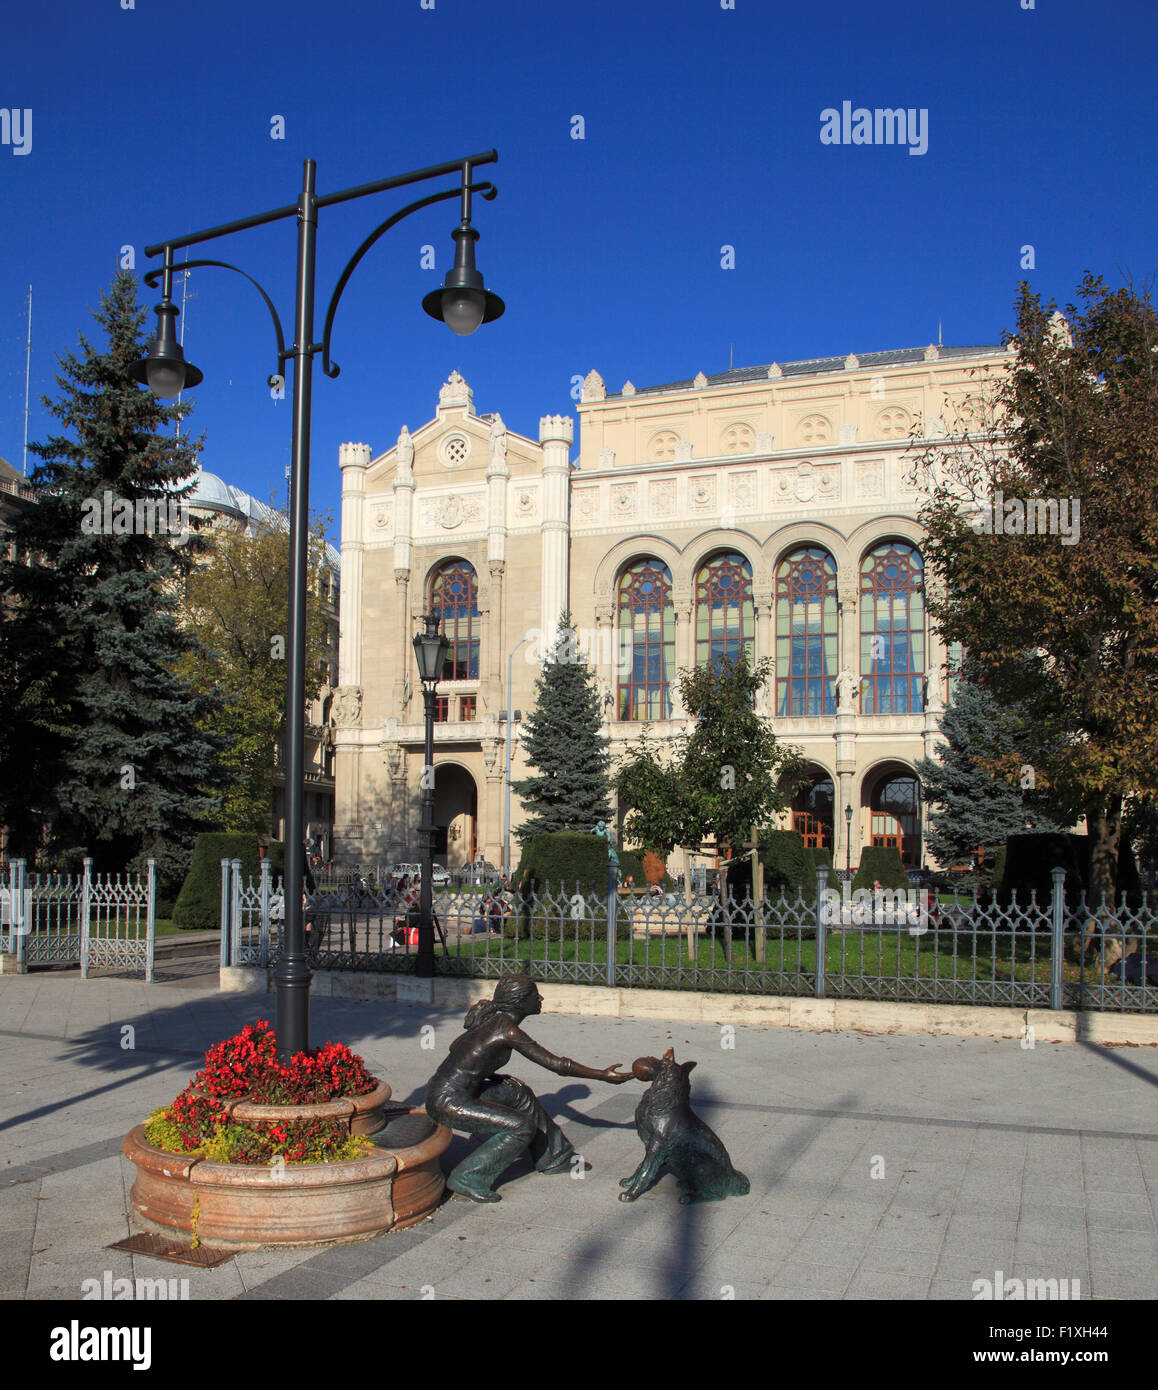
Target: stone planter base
<point>242,1206</point>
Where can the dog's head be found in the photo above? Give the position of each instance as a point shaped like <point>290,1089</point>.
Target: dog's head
<point>649,1068</point>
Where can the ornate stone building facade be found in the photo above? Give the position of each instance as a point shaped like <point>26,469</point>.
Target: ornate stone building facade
<point>771,509</point>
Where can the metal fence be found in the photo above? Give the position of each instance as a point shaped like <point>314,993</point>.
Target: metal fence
<point>905,946</point>
<point>97,921</point>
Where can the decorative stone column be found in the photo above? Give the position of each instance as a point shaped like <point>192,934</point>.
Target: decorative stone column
<point>498,477</point>
<point>353,460</point>
<point>556,433</point>
<point>403,539</point>
<point>683,655</point>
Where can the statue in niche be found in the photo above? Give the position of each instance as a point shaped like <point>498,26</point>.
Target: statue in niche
<point>468,1092</point>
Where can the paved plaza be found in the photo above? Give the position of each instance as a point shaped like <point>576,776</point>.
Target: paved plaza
<point>882,1167</point>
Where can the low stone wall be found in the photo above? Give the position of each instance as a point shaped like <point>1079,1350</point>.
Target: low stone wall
<point>821,1015</point>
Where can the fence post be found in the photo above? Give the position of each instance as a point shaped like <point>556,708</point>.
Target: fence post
<point>226,930</point>
<point>85,891</point>
<point>21,910</point>
<point>150,922</point>
<point>821,930</point>
<point>612,905</point>
<point>1057,952</point>
<point>263,891</point>
<point>235,910</point>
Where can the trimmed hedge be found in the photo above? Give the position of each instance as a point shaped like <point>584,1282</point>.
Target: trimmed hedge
<point>198,906</point>
<point>565,862</point>
<point>1030,859</point>
<point>820,855</point>
<point>787,866</point>
<point>880,864</point>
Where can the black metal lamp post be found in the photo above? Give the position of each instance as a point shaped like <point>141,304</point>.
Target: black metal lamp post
<point>848,841</point>
<point>462,303</point>
<point>430,648</point>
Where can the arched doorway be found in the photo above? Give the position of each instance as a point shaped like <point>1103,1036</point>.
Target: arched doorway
<point>812,810</point>
<point>455,815</point>
<point>895,809</point>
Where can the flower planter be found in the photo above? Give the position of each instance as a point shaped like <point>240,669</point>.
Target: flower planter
<point>245,1206</point>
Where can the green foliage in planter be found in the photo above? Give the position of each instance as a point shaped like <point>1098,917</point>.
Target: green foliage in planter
<point>882,864</point>
<point>787,868</point>
<point>162,1133</point>
<point>198,907</point>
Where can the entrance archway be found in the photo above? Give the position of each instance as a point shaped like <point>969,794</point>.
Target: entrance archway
<point>812,810</point>
<point>895,810</point>
<point>455,815</point>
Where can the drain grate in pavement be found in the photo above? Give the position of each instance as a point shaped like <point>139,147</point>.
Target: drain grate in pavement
<point>162,1248</point>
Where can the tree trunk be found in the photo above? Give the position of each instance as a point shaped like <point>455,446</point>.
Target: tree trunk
<point>1104,824</point>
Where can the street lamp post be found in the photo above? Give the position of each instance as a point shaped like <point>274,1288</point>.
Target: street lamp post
<point>848,840</point>
<point>462,303</point>
<point>430,648</point>
<point>507,797</point>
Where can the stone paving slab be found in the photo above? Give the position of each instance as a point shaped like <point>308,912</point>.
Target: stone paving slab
<point>891,1167</point>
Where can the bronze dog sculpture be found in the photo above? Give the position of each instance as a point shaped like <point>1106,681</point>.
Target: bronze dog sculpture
<point>674,1134</point>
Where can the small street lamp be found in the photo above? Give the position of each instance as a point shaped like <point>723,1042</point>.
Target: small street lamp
<point>848,841</point>
<point>463,302</point>
<point>430,648</point>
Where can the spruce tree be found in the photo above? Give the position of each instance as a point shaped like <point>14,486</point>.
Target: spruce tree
<point>99,743</point>
<point>563,739</point>
<point>968,805</point>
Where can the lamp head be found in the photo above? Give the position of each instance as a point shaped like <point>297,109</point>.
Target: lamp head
<point>430,648</point>
<point>463,302</point>
<point>164,371</point>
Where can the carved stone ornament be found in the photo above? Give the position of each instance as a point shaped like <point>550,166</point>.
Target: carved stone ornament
<point>455,391</point>
<point>405,450</point>
<point>623,500</point>
<point>586,502</point>
<point>593,387</point>
<point>491,753</point>
<point>394,761</point>
<point>662,497</point>
<point>606,458</point>
<point>683,450</point>
<point>703,492</point>
<point>348,706</point>
<point>764,442</point>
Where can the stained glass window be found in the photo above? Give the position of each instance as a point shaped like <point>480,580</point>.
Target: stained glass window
<point>454,597</point>
<point>725,613</point>
<point>806,633</point>
<point>892,630</point>
<point>646,647</point>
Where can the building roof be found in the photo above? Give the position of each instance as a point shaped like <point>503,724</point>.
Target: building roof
<point>815,366</point>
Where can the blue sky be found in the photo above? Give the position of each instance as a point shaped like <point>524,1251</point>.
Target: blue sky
<point>701,130</point>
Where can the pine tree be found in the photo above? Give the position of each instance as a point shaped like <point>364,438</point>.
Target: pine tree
<point>99,743</point>
<point>563,738</point>
<point>969,806</point>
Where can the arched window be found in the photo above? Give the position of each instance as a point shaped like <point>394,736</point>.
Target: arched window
<point>806,655</point>
<point>646,647</point>
<point>454,596</point>
<point>896,813</point>
<point>725,614</point>
<point>892,630</point>
<point>812,811</point>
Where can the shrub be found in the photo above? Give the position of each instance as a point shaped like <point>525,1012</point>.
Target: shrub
<point>817,856</point>
<point>882,864</point>
<point>198,907</point>
<point>787,867</point>
<point>1030,859</point>
<point>565,861</point>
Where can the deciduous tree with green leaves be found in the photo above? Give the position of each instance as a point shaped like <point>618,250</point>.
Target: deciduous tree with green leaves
<point>235,604</point>
<point>1068,632</point>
